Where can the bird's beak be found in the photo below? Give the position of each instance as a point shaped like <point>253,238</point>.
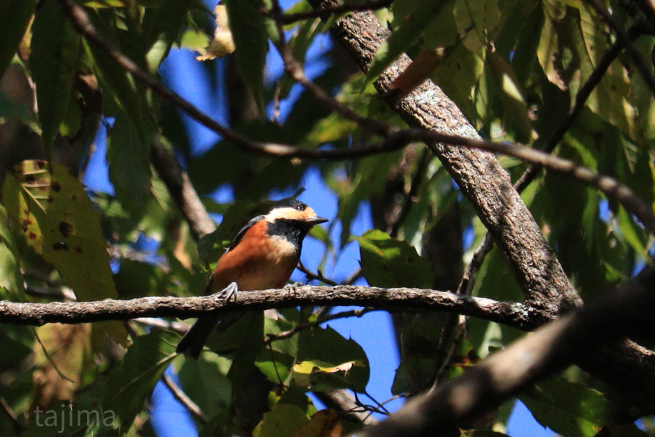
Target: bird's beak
<point>317,220</point>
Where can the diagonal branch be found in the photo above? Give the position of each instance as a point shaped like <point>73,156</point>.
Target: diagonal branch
<point>461,164</point>
<point>479,175</point>
<point>511,313</point>
<point>626,311</point>
<point>335,10</point>
<point>500,208</point>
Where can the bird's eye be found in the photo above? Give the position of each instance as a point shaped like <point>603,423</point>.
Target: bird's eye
<point>300,207</point>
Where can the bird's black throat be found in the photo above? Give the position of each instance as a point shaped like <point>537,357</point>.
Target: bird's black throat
<point>292,230</point>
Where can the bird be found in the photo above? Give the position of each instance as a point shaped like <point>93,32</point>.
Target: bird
<point>263,255</point>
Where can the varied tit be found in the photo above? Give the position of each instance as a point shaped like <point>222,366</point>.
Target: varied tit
<point>263,255</point>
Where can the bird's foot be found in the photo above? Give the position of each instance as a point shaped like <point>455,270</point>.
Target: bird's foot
<point>228,292</point>
<point>293,288</point>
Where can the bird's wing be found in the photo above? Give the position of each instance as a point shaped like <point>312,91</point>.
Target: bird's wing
<point>243,231</point>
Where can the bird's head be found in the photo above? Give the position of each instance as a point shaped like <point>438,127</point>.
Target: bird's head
<point>296,212</point>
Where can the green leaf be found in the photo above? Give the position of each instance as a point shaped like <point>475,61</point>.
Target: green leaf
<point>409,31</point>
<point>548,51</point>
<point>391,263</point>
<point>250,38</point>
<point>246,337</point>
<point>568,408</point>
<point>125,91</point>
<point>139,279</point>
<point>418,341</point>
<point>282,421</point>
<point>508,90</point>
<point>14,17</point>
<point>196,375</point>
<point>635,235</point>
<point>56,216</point>
<point>476,19</point>
<point>131,384</point>
<point>166,25</point>
<point>10,108</point>
<point>277,358</point>
<point>327,361</point>
<point>55,51</point>
<point>10,275</point>
<point>128,156</point>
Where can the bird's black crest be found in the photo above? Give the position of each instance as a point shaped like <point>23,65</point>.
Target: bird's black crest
<point>293,203</point>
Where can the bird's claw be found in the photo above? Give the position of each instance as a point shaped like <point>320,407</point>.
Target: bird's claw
<point>293,288</point>
<point>229,292</point>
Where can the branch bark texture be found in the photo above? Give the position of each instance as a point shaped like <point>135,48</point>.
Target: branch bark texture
<point>511,313</point>
<point>573,338</point>
<point>479,174</point>
<point>628,367</point>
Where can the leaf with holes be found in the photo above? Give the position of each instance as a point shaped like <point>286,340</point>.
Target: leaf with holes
<point>58,220</point>
<point>10,275</point>
<point>55,215</point>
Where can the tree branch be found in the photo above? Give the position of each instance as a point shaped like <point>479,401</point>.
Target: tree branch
<point>511,313</point>
<point>479,175</point>
<point>461,164</point>
<point>181,189</point>
<point>185,400</point>
<point>628,310</point>
<point>334,10</point>
<point>627,367</point>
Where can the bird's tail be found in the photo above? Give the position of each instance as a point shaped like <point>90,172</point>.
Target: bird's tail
<point>193,341</point>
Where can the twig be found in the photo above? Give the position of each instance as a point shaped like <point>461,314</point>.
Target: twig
<point>344,402</point>
<point>395,139</point>
<point>333,10</point>
<point>303,326</point>
<point>314,276</point>
<point>417,179</point>
<point>13,418</point>
<point>511,313</point>
<point>185,400</point>
<point>297,73</point>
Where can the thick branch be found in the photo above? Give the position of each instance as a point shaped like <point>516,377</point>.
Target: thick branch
<point>511,313</point>
<point>626,311</point>
<point>182,191</point>
<point>502,211</point>
<point>479,175</point>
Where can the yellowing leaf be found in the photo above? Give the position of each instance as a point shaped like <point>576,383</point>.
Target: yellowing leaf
<point>60,372</point>
<point>222,44</point>
<point>56,217</point>
<point>282,421</point>
<point>324,423</point>
<point>10,275</point>
<point>318,375</point>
